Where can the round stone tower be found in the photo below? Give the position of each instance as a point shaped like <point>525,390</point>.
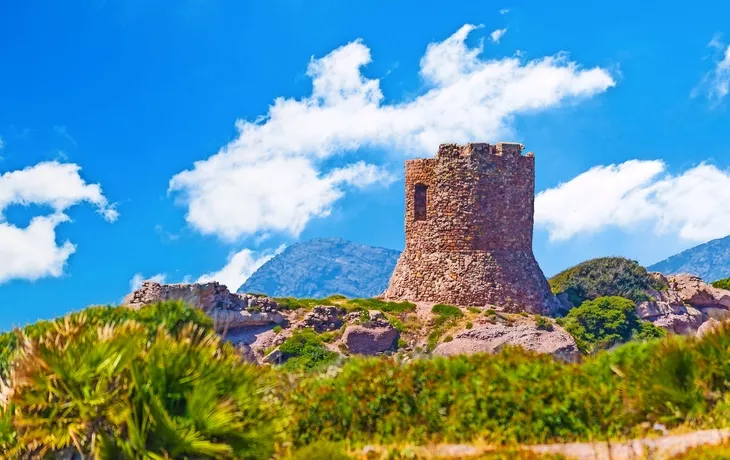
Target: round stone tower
<point>469,220</point>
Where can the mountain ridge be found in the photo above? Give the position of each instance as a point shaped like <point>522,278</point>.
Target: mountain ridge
<point>321,267</point>
<point>710,261</point>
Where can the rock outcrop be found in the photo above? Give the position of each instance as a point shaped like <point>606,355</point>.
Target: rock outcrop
<point>490,338</point>
<point>685,305</point>
<point>323,318</point>
<point>370,334</point>
<point>227,310</point>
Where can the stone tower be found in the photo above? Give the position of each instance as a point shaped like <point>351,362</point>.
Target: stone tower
<point>469,220</point>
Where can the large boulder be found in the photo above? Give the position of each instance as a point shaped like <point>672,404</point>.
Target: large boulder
<point>526,333</point>
<point>228,310</point>
<point>369,333</point>
<point>708,326</point>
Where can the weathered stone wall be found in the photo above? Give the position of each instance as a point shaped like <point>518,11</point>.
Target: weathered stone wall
<point>474,246</point>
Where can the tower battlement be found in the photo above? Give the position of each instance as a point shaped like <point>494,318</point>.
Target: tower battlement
<point>479,149</point>
<point>468,223</point>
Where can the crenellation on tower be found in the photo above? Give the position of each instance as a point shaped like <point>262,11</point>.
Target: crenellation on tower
<point>468,224</point>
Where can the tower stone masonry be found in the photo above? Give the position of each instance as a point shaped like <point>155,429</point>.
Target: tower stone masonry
<point>469,222</point>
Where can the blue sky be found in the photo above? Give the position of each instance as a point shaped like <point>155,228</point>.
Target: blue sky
<point>107,105</point>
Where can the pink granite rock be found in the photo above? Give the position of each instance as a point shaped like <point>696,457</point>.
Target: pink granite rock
<point>490,338</point>
<point>364,340</point>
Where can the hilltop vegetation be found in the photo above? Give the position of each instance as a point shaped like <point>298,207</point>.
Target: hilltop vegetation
<point>605,277</point>
<point>722,284</point>
<point>110,383</point>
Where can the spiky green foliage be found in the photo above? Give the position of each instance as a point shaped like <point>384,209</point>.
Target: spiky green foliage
<point>111,392</point>
<point>607,321</point>
<point>605,277</point>
<point>170,315</point>
<point>517,396</point>
<point>305,350</point>
<point>722,284</point>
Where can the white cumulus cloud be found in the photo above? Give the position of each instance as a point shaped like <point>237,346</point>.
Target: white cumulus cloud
<point>695,205</point>
<point>240,266</point>
<point>137,280</point>
<point>278,174</point>
<point>497,35</point>
<point>32,252</point>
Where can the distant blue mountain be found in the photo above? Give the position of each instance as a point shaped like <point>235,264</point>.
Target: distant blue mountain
<point>710,261</point>
<point>323,267</point>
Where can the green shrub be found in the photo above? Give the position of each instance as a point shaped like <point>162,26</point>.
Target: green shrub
<point>305,350</point>
<point>110,392</point>
<point>517,396</point>
<point>649,331</point>
<point>490,312</point>
<point>377,304</point>
<point>543,323</point>
<point>448,311</point>
<point>277,329</point>
<point>722,284</point>
<point>397,324</point>
<point>291,303</point>
<point>474,310</point>
<point>171,316</point>
<point>604,322</point>
<point>469,325</point>
<point>605,277</point>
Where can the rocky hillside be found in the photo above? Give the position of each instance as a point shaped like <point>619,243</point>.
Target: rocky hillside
<point>709,261</point>
<point>678,303</point>
<point>322,267</point>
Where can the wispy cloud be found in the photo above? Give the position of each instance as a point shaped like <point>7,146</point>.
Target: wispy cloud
<point>715,84</point>
<point>63,132</point>
<point>497,35</point>
<point>504,11</point>
<point>694,205</point>
<point>278,174</point>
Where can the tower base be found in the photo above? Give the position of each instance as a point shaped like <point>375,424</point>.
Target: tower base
<point>508,279</point>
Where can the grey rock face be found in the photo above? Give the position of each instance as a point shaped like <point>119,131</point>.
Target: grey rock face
<point>227,310</point>
<point>323,267</point>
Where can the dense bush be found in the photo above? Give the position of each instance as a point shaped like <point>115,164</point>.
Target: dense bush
<point>722,284</point>
<point>110,392</point>
<point>605,277</point>
<point>171,316</point>
<point>305,350</point>
<point>517,396</point>
<point>607,321</point>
